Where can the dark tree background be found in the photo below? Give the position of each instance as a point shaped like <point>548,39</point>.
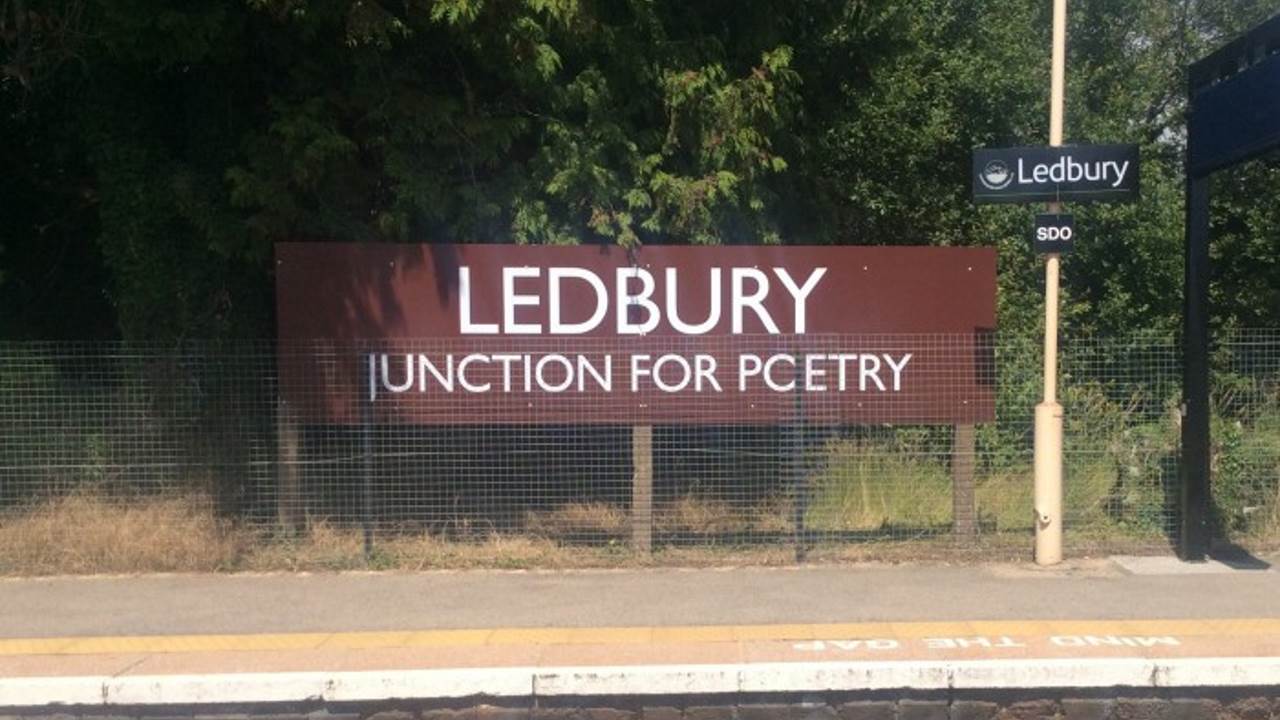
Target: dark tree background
<point>151,152</point>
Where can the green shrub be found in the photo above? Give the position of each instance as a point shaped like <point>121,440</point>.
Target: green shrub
<point>1246,473</point>
<point>872,486</point>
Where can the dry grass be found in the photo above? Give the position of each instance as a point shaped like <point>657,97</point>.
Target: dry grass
<point>594,521</point>
<point>687,516</point>
<point>423,552</point>
<point>776,516</point>
<point>85,533</point>
<point>323,547</point>
<point>691,515</point>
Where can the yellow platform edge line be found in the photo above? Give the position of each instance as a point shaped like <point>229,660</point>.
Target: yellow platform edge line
<point>627,635</point>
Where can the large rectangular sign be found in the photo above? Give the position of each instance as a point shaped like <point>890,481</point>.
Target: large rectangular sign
<point>1069,173</point>
<point>473,334</point>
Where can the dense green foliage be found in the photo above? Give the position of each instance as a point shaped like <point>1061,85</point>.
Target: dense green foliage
<point>153,151</point>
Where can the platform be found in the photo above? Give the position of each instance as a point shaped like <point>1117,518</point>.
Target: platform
<point>367,637</point>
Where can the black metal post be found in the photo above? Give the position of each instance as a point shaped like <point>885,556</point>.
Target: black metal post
<point>1244,73</point>
<point>1194,491</point>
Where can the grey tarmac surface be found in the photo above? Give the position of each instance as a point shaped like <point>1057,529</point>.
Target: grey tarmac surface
<point>289,603</point>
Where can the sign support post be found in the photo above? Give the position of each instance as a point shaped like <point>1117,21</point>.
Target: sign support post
<point>1052,174</point>
<point>366,471</point>
<point>964,505</point>
<point>1048,419</point>
<point>642,488</point>
<point>289,511</point>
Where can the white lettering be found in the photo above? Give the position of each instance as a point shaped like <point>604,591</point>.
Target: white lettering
<point>800,294</point>
<point>1058,171</point>
<point>462,373</point>
<point>557,326</point>
<point>464,307</point>
<point>581,309</point>
<point>843,359</point>
<point>540,371</point>
<point>637,371</point>
<point>408,375</point>
<point>585,368</point>
<point>1121,170</point>
<point>426,366</point>
<point>869,367</point>
<point>626,301</point>
<point>1069,170</point>
<point>511,300</point>
<point>686,373</point>
<point>847,645</point>
<point>768,373</point>
<point>673,314</point>
<point>897,369</point>
<point>811,374</point>
<point>1022,177</point>
<point>748,365</point>
<point>705,367</point>
<point>506,359</point>
<point>1075,170</point>
<point>741,300</point>
<point>1113,640</point>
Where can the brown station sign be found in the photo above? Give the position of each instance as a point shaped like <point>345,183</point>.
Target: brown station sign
<point>476,334</point>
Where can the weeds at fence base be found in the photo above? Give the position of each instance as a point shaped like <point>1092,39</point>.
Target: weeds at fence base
<point>89,533</point>
<point>84,533</point>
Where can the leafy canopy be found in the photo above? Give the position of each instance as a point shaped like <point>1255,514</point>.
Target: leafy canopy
<point>155,150</point>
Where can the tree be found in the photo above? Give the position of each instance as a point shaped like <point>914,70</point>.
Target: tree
<point>159,149</point>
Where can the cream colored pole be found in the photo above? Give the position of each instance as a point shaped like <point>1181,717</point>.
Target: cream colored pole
<point>1048,429</point>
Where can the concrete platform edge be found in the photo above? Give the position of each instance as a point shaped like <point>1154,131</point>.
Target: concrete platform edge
<point>641,680</point>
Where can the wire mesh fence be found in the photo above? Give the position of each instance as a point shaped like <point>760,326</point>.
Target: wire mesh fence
<point>217,434</point>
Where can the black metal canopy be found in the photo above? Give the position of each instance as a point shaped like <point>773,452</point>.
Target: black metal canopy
<point>1233,115</point>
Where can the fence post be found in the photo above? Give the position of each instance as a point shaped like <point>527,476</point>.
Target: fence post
<point>642,487</point>
<point>289,482</point>
<point>366,473</point>
<point>964,502</point>
<point>799,478</point>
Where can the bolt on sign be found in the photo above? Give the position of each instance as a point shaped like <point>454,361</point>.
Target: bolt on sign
<point>477,334</point>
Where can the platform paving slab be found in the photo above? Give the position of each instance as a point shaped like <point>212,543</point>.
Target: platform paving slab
<point>206,640</point>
